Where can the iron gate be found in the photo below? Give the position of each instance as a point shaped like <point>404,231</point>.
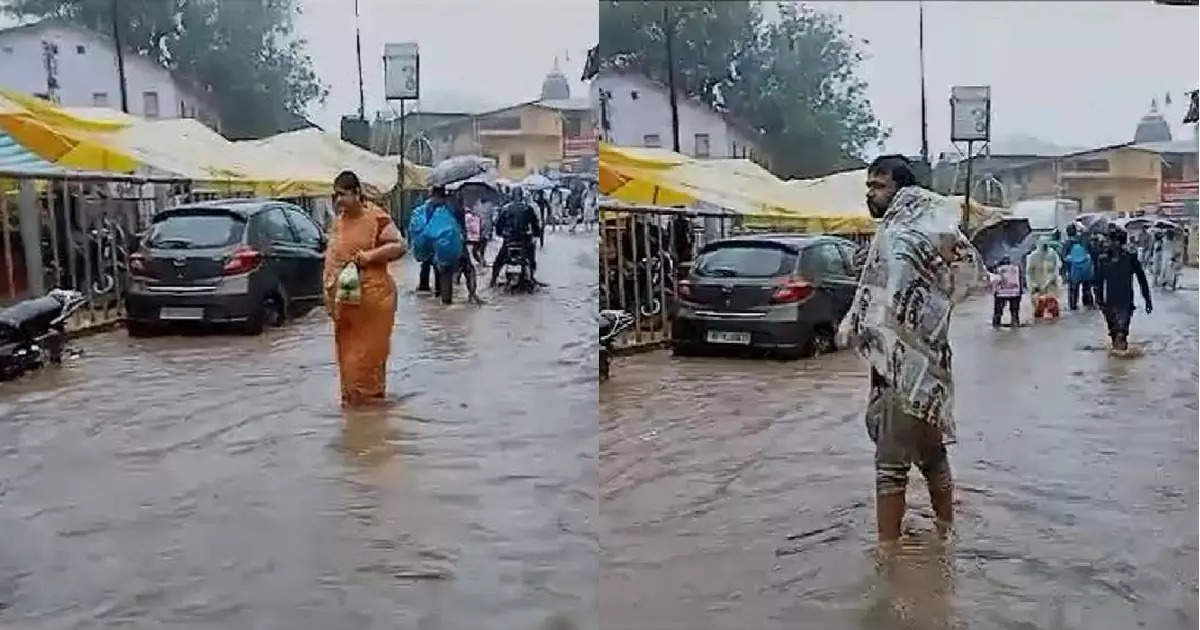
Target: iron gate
<point>645,250</point>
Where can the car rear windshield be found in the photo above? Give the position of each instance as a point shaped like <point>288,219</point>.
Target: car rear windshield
<point>745,261</point>
<point>196,230</point>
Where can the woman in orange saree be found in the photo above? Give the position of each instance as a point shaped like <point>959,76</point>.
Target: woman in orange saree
<point>363,234</point>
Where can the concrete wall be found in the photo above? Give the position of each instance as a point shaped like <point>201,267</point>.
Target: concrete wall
<point>539,151</point>
<point>85,74</point>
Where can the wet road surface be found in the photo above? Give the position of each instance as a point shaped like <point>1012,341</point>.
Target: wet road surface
<point>214,482</point>
<point>739,493</point>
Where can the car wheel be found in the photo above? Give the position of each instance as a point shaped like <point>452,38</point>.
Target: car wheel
<point>274,311</point>
<point>270,313</point>
<point>821,341</point>
<point>139,329</point>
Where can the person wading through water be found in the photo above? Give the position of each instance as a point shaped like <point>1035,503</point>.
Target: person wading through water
<point>363,235</point>
<point>918,265</point>
<point>1114,288</point>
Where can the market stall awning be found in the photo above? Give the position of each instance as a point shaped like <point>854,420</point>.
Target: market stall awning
<point>663,178</point>
<point>17,160</point>
<point>325,155</point>
<point>301,163</point>
<point>61,137</point>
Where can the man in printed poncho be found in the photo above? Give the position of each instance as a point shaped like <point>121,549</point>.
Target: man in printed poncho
<point>918,266</point>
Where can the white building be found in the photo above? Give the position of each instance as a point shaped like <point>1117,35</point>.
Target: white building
<point>634,110</point>
<point>77,67</point>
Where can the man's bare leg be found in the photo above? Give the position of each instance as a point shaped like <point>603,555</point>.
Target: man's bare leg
<point>889,512</point>
<point>941,493</point>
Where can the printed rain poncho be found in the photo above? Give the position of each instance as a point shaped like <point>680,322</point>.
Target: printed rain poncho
<point>1043,268</point>
<point>918,266</point>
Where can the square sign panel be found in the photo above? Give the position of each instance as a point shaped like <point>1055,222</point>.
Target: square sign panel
<point>970,113</point>
<point>401,71</point>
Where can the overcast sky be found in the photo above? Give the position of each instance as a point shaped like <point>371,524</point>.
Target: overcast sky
<point>1073,73</point>
<point>474,54</point>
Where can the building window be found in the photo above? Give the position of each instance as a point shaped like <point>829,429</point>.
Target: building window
<point>1086,166</point>
<point>516,160</point>
<point>633,95</point>
<point>100,99</point>
<point>652,140</point>
<point>573,125</point>
<point>501,123</point>
<point>702,146</point>
<point>8,50</point>
<point>1105,203</point>
<point>150,104</point>
<point>79,50</point>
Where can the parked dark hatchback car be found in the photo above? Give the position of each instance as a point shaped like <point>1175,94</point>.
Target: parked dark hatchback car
<point>249,263</point>
<point>784,293</point>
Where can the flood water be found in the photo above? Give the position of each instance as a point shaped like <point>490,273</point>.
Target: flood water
<point>214,482</point>
<point>739,493</point>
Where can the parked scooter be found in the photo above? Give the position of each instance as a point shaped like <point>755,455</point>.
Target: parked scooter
<point>612,324</point>
<point>33,332</point>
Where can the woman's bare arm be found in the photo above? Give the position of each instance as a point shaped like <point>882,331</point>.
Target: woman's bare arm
<point>392,247</point>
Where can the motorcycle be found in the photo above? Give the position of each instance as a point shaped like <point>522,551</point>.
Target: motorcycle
<point>33,332</point>
<point>518,276</point>
<point>612,324</point>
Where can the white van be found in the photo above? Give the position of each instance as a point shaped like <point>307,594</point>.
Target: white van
<point>1047,215</point>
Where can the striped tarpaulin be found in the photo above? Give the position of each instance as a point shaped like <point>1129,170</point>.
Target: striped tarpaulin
<point>16,159</point>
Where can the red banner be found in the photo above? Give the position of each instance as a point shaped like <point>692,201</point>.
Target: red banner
<point>580,146</point>
<point>1179,191</point>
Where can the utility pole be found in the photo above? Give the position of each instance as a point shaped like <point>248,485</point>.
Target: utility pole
<point>669,31</point>
<point>116,31</point>
<point>362,108</point>
<point>924,115</point>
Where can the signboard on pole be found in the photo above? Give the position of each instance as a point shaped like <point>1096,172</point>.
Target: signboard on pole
<point>401,71</point>
<point>970,113</point>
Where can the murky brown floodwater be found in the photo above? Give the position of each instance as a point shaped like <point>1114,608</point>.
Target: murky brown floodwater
<point>739,493</point>
<point>213,481</point>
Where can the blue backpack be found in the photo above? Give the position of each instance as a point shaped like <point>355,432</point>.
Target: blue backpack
<point>434,235</point>
<point>1079,261</point>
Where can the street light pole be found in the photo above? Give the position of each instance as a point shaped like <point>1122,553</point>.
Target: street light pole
<point>669,31</point>
<point>116,31</point>
<point>362,110</point>
<point>924,118</point>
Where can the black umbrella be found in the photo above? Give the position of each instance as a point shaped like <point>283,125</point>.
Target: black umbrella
<point>1098,225</point>
<point>1006,237</point>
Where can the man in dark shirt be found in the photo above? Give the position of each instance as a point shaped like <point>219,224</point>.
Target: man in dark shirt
<point>517,223</point>
<point>1118,266</point>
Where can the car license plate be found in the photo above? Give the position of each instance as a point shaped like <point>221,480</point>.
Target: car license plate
<point>512,269</point>
<point>722,336</point>
<point>181,313</point>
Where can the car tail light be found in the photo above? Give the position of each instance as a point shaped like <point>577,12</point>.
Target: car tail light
<point>794,290</point>
<point>137,264</point>
<point>242,260</point>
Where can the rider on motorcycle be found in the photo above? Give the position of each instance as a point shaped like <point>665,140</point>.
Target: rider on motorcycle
<point>517,225</point>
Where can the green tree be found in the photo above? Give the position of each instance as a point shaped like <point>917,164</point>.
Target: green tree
<point>793,79</point>
<point>245,52</point>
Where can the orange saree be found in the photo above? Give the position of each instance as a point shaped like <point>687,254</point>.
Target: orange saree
<point>362,332</point>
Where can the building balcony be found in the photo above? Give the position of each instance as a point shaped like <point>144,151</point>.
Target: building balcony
<point>1107,175</point>
<point>512,133</point>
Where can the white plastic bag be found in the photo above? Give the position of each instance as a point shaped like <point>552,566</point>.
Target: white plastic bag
<point>349,286</point>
